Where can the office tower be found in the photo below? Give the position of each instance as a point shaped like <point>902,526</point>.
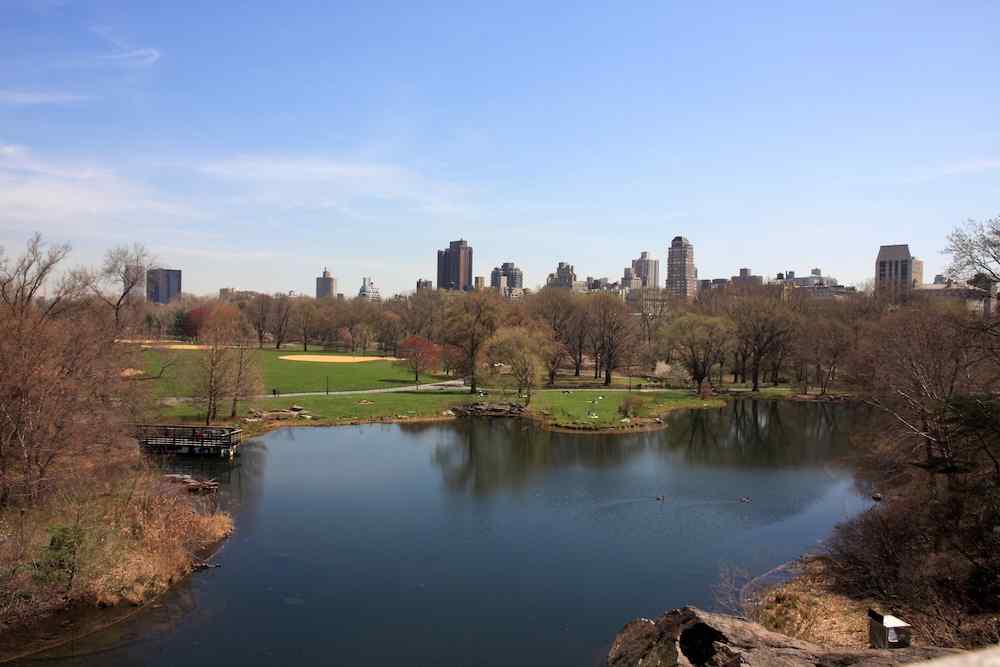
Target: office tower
<point>424,284</point>
<point>163,285</point>
<point>630,280</point>
<point>647,270</point>
<point>682,276</point>
<point>480,283</point>
<point>454,266</point>
<point>565,276</point>
<point>514,276</point>
<point>897,272</point>
<point>746,277</point>
<point>326,285</point>
<point>368,290</point>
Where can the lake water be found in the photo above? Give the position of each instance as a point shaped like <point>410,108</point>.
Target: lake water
<point>488,542</point>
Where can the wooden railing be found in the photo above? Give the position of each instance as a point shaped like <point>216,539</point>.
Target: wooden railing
<point>189,439</point>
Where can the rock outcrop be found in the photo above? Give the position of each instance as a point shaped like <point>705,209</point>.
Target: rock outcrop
<point>690,637</point>
<point>490,410</point>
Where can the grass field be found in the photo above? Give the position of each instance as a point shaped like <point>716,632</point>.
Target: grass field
<point>585,409</point>
<point>556,407</point>
<point>286,376</point>
<point>334,409</point>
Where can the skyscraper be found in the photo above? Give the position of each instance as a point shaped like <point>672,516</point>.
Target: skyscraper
<point>163,285</point>
<point>368,290</point>
<point>565,276</point>
<point>647,270</point>
<point>514,276</point>
<point>897,271</point>
<point>454,269</point>
<point>326,285</point>
<point>682,276</point>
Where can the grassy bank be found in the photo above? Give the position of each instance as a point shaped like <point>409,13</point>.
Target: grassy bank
<point>120,536</point>
<point>344,409</point>
<point>578,409</point>
<point>602,409</point>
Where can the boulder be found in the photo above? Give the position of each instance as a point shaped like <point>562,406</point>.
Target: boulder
<point>690,637</point>
<point>490,410</point>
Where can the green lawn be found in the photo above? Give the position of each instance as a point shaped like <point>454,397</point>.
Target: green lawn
<point>584,408</point>
<point>333,409</point>
<point>286,376</point>
<point>563,409</point>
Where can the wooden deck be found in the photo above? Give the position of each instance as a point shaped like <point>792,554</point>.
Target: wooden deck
<point>219,441</point>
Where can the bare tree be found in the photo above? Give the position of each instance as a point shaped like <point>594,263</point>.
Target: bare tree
<point>471,320</point>
<point>215,368</point>
<point>975,249</point>
<point>700,341</point>
<point>763,325</point>
<point>389,330</point>
<point>62,392</point>
<point>247,380</point>
<point>281,317</point>
<point>260,316</point>
<point>577,335</point>
<point>614,328</point>
<point>121,278</point>
<point>305,317</point>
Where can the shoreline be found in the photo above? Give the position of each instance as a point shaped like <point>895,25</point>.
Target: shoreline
<point>87,618</point>
<point>637,425</point>
<point>35,633</point>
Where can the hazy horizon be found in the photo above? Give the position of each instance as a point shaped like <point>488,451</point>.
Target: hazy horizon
<point>251,148</point>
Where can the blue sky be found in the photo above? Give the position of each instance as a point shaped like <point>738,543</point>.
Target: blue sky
<point>252,145</point>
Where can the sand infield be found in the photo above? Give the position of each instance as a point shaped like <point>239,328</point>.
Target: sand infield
<point>176,346</point>
<point>334,359</point>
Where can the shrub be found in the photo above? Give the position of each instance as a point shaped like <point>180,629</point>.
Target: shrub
<point>629,406</point>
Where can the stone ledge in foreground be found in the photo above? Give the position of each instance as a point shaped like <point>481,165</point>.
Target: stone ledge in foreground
<point>690,637</point>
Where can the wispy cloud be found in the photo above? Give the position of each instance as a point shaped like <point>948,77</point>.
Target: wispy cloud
<point>55,195</point>
<point>124,54</point>
<point>958,168</point>
<point>329,183</point>
<point>132,57</point>
<point>37,97</point>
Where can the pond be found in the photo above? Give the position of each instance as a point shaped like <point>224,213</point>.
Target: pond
<point>489,542</point>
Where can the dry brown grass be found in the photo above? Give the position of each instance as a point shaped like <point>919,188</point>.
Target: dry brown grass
<point>807,608</point>
<point>115,534</point>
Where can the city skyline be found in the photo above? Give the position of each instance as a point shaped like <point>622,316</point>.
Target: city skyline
<point>645,269</point>
<point>249,175</point>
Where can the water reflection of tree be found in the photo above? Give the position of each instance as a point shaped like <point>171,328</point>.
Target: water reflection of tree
<point>481,456</point>
<point>761,433</point>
